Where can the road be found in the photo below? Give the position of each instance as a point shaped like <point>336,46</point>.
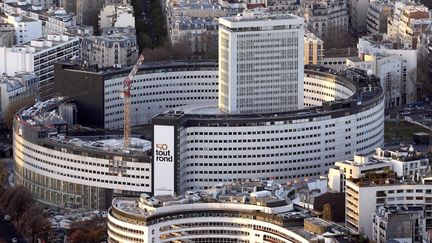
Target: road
<point>9,167</point>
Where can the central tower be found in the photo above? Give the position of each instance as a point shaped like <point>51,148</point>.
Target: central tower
<point>261,63</point>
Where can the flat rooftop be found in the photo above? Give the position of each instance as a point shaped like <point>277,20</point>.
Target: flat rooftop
<point>251,192</point>
<point>45,117</point>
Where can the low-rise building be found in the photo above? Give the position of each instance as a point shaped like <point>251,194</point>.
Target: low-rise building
<point>116,47</point>
<point>326,18</point>
<point>353,169</point>
<point>403,224</point>
<point>16,88</point>
<point>405,162</point>
<point>377,15</point>
<point>199,34</point>
<point>116,15</point>
<point>7,35</point>
<point>282,6</point>
<point>26,29</point>
<point>394,64</point>
<point>313,49</point>
<point>244,211</point>
<point>408,22</point>
<point>38,56</point>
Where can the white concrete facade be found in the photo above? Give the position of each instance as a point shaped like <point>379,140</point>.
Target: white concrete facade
<point>154,93</point>
<point>397,69</point>
<point>201,222</point>
<point>261,63</point>
<point>271,148</point>
<point>38,56</point>
<point>26,29</point>
<point>362,200</point>
<point>116,16</point>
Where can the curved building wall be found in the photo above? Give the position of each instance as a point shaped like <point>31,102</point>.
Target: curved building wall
<point>279,151</point>
<point>319,89</point>
<point>59,174</point>
<point>214,223</point>
<point>154,93</point>
<point>281,147</point>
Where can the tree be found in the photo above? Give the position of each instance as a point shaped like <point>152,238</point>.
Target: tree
<point>34,223</point>
<point>89,231</point>
<point>3,173</point>
<point>337,37</point>
<point>15,201</point>
<point>327,213</point>
<point>145,41</point>
<point>210,45</point>
<point>13,108</point>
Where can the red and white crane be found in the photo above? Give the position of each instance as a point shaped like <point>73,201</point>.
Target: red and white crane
<point>126,93</point>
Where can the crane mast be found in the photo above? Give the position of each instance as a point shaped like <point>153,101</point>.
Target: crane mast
<point>126,93</point>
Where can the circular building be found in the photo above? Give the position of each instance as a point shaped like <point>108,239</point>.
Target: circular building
<point>194,144</point>
<point>226,213</point>
<point>63,164</point>
<point>344,117</point>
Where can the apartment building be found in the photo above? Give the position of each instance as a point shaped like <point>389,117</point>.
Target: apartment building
<point>406,224</point>
<point>282,6</point>
<point>116,47</point>
<point>324,18</point>
<point>358,10</point>
<point>16,88</point>
<point>353,169</point>
<point>408,22</point>
<point>199,34</point>
<point>377,14</point>
<point>26,29</point>
<point>7,35</point>
<point>313,49</point>
<point>365,196</point>
<point>405,162</point>
<point>55,21</point>
<point>116,15</point>
<point>196,9</point>
<point>38,56</point>
<point>395,65</point>
<point>260,62</point>
<point>389,68</point>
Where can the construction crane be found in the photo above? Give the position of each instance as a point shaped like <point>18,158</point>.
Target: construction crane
<point>126,94</point>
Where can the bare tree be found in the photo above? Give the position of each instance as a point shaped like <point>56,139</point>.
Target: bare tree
<point>337,37</point>
<point>3,173</point>
<point>89,231</point>
<point>15,201</point>
<point>33,222</point>
<point>13,108</point>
